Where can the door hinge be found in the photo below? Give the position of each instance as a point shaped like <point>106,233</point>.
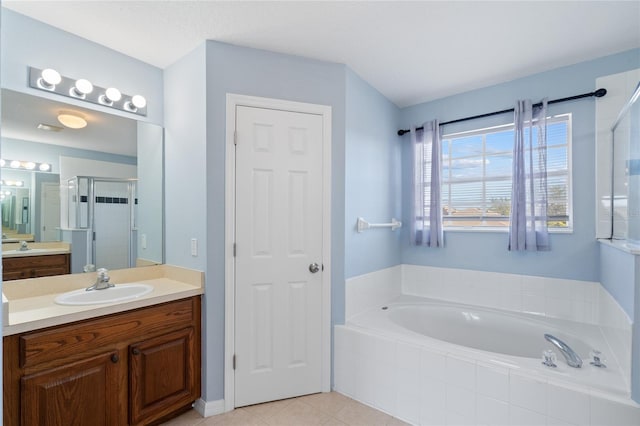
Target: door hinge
<point>235,137</point>
<point>234,249</point>
<point>234,361</point>
<point>94,236</point>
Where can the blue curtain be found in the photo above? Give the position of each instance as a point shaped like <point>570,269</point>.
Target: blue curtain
<point>528,218</point>
<point>426,226</point>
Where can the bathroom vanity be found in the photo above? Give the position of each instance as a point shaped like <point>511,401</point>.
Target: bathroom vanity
<point>39,260</point>
<point>17,268</point>
<point>132,363</point>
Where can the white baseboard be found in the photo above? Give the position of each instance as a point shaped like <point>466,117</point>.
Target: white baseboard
<point>209,408</point>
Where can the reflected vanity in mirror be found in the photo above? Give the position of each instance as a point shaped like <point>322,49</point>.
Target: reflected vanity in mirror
<point>96,190</point>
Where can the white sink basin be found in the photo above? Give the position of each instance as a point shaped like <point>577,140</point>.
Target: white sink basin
<point>119,293</point>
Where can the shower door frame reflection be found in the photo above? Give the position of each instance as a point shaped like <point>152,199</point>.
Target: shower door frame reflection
<point>87,219</point>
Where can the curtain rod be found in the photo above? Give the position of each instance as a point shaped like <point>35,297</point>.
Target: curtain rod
<point>598,94</point>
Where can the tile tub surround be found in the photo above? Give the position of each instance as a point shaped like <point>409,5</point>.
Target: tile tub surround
<point>580,301</point>
<point>424,385</point>
<point>572,300</point>
<point>29,303</point>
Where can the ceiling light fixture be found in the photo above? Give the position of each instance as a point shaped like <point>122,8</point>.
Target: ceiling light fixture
<point>49,79</point>
<point>72,121</point>
<point>83,89</point>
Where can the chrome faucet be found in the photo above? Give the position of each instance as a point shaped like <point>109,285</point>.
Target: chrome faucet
<point>102,281</point>
<point>23,246</point>
<point>570,356</point>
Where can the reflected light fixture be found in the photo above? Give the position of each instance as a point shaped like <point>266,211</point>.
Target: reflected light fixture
<point>72,121</point>
<point>25,165</point>
<point>49,79</point>
<point>82,89</point>
<point>17,183</point>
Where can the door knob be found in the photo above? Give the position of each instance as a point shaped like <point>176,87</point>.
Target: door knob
<point>314,267</point>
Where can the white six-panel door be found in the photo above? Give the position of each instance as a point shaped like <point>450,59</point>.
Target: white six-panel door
<point>278,297</point>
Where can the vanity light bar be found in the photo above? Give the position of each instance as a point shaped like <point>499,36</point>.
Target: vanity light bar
<point>16,183</point>
<point>49,80</point>
<point>25,165</point>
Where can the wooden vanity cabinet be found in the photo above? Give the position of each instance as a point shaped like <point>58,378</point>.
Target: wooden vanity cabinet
<point>136,368</point>
<point>18,268</point>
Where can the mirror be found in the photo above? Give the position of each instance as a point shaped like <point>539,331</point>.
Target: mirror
<point>38,205</point>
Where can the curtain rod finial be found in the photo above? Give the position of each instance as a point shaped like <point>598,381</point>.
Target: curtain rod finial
<point>600,93</point>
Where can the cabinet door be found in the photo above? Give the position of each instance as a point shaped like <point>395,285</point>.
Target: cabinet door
<point>162,375</point>
<point>79,393</point>
<point>14,275</point>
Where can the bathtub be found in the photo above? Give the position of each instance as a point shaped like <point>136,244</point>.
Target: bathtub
<point>434,362</point>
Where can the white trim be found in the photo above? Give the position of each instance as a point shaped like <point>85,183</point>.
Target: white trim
<point>210,408</point>
<point>233,101</point>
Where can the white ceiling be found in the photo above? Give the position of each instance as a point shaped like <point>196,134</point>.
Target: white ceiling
<point>410,51</point>
<point>21,114</point>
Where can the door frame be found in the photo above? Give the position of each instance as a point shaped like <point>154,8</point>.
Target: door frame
<point>43,212</point>
<point>233,101</point>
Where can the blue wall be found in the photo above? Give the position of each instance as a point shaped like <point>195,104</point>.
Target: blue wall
<point>195,153</point>
<point>372,177</point>
<point>185,182</point>
<point>573,256</point>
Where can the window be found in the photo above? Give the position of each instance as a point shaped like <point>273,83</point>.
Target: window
<point>476,177</point>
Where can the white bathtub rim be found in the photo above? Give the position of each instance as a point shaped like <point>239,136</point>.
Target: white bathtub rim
<point>617,388</point>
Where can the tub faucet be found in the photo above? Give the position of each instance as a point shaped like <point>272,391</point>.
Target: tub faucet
<point>102,281</point>
<point>570,356</point>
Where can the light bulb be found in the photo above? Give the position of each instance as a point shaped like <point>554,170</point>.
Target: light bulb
<point>30,165</point>
<point>19,183</point>
<point>113,94</point>
<point>2,162</point>
<point>139,101</point>
<point>82,88</point>
<point>50,77</point>
<point>15,164</point>
<point>44,167</point>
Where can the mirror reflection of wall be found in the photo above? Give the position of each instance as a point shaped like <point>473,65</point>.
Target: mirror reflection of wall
<point>107,147</point>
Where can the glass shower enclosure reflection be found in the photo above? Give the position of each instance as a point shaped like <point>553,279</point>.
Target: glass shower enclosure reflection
<point>625,182</point>
<point>107,209</point>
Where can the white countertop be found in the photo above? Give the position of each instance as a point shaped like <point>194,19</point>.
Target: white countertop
<point>35,249</point>
<point>29,304</point>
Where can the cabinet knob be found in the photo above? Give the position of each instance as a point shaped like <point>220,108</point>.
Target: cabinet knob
<point>135,351</point>
<point>115,358</point>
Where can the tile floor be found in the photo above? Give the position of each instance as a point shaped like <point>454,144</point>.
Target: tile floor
<point>319,409</point>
